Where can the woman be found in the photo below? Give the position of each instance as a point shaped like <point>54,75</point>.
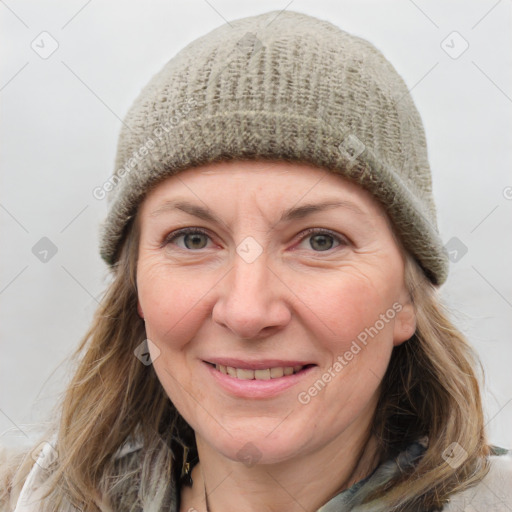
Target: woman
<point>272,338</point>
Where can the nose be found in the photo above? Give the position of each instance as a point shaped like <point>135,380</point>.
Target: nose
<point>252,300</point>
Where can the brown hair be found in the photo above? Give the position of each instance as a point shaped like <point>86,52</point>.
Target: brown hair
<point>430,389</point>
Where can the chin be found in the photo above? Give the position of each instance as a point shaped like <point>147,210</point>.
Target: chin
<point>246,445</point>
<point>259,451</point>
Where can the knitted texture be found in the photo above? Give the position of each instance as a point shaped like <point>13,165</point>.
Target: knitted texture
<point>281,86</point>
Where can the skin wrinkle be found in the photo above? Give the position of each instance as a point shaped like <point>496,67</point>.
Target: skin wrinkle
<point>276,168</point>
<point>287,304</point>
<point>287,216</point>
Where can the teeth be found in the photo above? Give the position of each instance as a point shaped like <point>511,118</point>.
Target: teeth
<point>266,374</point>
<point>276,372</point>
<point>262,374</point>
<point>244,374</point>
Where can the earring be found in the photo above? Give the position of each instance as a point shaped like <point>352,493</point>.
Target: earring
<point>185,468</point>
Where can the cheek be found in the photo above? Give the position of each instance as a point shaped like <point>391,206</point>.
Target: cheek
<point>353,309</point>
<point>357,343</point>
<point>173,309</point>
<point>172,305</point>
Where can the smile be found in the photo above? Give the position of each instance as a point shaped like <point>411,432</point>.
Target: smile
<point>257,379</point>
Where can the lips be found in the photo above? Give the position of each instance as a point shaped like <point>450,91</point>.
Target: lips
<point>262,379</point>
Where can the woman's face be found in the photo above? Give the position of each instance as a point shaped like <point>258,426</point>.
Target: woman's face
<point>273,294</point>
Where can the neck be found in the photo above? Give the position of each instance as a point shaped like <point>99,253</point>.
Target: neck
<point>298,485</point>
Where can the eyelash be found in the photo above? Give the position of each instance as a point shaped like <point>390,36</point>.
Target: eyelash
<point>305,234</point>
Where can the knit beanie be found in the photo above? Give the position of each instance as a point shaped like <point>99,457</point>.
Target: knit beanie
<point>282,86</point>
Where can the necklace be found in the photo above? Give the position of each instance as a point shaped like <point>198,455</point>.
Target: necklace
<point>204,488</point>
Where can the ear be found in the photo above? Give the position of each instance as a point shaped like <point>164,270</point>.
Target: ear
<point>139,310</point>
<point>405,321</point>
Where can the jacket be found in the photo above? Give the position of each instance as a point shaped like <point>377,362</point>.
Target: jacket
<point>492,494</point>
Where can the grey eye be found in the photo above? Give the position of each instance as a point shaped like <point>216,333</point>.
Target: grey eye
<point>195,240</point>
<point>321,242</point>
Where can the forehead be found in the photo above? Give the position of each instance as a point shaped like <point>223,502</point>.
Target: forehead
<point>275,184</point>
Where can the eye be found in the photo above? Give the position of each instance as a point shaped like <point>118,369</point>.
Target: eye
<point>322,240</point>
<point>193,238</point>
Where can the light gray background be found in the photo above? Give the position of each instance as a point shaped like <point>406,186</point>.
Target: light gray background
<point>60,121</point>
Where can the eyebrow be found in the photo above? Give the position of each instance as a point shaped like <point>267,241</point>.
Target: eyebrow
<point>290,214</point>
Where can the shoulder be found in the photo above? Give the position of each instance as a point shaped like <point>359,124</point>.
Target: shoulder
<point>38,471</point>
<point>493,493</point>
<point>10,463</point>
<point>129,465</point>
